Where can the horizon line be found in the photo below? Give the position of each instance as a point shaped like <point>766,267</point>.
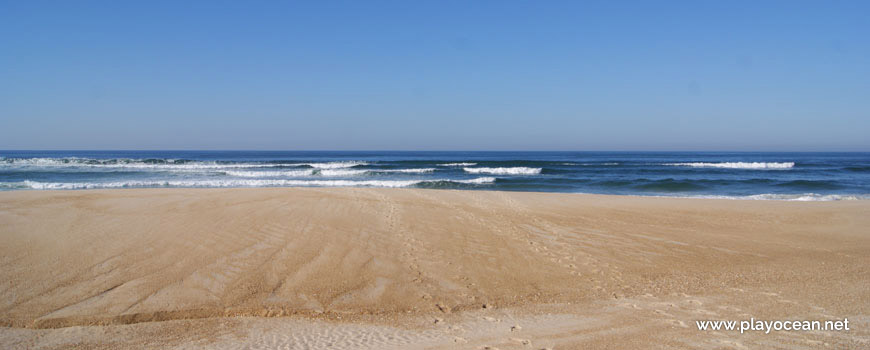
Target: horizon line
<point>394,150</point>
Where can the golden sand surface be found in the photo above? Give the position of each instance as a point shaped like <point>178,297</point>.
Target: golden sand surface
<point>357,268</point>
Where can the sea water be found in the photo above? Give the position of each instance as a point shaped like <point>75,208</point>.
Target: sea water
<point>759,175</point>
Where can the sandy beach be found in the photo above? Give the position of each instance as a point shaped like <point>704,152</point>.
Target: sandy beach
<point>357,268</point>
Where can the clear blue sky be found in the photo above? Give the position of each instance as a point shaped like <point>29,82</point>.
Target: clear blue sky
<point>435,75</point>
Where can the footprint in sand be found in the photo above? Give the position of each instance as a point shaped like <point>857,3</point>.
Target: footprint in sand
<point>443,308</point>
<point>525,342</point>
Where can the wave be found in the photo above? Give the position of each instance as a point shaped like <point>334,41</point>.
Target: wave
<point>161,164</point>
<point>737,165</point>
<point>340,172</point>
<point>858,168</point>
<point>504,171</point>
<point>801,197</point>
<point>458,164</point>
<point>593,164</point>
<point>355,172</point>
<point>324,172</point>
<point>405,171</point>
<point>479,180</point>
<point>288,173</point>
<point>165,163</point>
<point>233,183</point>
<point>335,165</point>
<point>811,184</point>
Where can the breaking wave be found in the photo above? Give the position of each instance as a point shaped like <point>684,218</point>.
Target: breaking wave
<point>355,172</point>
<point>457,164</point>
<point>234,183</point>
<point>165,163</point>
<point>130,163</point>
<point>339,172</point>
<point>738,165</point>
<point>404,171</point>
<point>288,173</point>
<point>335,165</point>
<point>803,197</point>
<point>504,171</point>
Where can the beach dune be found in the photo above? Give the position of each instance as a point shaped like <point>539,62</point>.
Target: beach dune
<point>412,268</point>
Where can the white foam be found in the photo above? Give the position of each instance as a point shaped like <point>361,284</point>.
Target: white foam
<point>458,164</point>
<point>166,164</point>
<point>504,171</point>
<point>341,172</point>
<point>799,197</point>
<point>169,164</point>
<point>335,165</point>
<point>406,171</point>
<point>230,183</point>
<point>287,173</point>
<point>325,172</point>
<point>738,165</point>
<point>479,180</point>
<point>355,172</point>
<point>803,197</point>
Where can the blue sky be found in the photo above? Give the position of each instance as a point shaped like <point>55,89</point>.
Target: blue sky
<point>435,75</point>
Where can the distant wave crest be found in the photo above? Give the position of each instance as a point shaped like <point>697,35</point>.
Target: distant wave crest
<point>166,163</point>
<point>457,164</point>
<point>339,172</point>
<point>504,171</point>
<point>235,183</point>
<point>159,164</point>
<point>355,172</point>
<point>404,171</point>
<point>287,173</point>
<point>738,165</point>
<point>335,165</point>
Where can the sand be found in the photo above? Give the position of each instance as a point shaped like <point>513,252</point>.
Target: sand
<point>354,268</point>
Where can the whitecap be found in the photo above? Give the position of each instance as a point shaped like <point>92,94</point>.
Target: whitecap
<point>288,173</point>
<point>340,172</point>
<point>458,164</point>
<point>406,171</point>
<point>335,165</point>
<point>230,183</point>
<point>738,165</point>
<point>504,171</point>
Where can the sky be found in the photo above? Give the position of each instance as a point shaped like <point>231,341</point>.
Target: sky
<point>435,75</point>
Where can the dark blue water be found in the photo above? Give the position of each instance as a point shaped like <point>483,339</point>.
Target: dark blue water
<point>802,176</point>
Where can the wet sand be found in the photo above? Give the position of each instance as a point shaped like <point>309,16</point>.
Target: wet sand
<point>406,268</point>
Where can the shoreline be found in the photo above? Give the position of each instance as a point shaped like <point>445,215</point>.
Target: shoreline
<point>851,197</point>
<point>423,263</point>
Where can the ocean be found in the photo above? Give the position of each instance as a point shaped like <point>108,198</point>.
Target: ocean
<point>762,175</point>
